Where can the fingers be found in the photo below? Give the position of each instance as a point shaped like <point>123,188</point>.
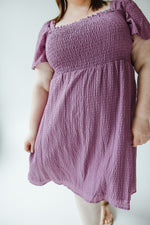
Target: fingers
<point>32,148</point>
<point>139,141</point>
<point>29,147</point>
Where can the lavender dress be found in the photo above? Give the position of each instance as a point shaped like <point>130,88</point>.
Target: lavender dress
<point>84,136</point>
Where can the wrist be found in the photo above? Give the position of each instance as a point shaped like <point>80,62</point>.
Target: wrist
<point>33,132</point>
<point>142,110</point>
<point>143,114</point>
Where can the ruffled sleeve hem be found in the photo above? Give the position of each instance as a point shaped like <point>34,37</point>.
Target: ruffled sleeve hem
<point>136,19</point>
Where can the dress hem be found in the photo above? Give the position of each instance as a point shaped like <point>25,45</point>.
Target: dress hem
<point>122,204</point>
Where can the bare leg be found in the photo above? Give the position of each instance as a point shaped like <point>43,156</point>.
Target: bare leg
<point>89,212</point>
<point>94,213</point>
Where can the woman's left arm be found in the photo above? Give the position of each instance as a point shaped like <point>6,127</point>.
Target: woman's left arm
<point>140,55</point>
<point>143,95</point>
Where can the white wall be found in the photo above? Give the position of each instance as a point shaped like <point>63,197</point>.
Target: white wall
<point>20,201</point>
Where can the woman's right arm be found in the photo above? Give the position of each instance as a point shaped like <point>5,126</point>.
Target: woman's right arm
<point>40,91</point>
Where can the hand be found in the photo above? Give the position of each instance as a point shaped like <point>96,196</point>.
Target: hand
<point>29,141</point>
<point>140,130</point>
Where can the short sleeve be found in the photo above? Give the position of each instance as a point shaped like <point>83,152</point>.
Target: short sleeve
<point>136,19</point>
<point>40,53</point>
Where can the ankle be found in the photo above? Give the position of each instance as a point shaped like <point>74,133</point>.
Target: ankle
<point>104,203</point>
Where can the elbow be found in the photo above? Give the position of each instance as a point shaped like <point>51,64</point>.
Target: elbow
<point>144,69</point>
<point>140,53</point>
<point>44,74</point>
<point>46,84</point>
<point>43,80</point>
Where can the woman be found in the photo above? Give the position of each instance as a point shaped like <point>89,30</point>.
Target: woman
<point>85,122</point>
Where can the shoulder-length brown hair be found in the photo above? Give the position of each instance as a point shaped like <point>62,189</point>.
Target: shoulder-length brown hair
<point>63,4</point>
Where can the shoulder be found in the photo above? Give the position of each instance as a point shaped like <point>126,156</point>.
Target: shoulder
<point>126,6</point>
<point>45,26</point>
<point>45,29</point>
<point>123,3</point>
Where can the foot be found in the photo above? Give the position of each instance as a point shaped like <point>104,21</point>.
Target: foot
<point>106,214</point>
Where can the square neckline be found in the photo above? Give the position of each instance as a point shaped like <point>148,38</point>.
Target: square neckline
<point>84,18</point>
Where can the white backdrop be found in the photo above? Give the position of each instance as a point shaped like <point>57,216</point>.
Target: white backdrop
<point>20,201</point>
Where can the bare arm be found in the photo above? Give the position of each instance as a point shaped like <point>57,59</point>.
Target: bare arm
<point>141,60</point>
<point>143,97</point>
<point>40,94</point>
<point>140,128</point>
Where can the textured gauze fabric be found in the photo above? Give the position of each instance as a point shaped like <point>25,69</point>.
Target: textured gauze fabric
<point>84,136</point>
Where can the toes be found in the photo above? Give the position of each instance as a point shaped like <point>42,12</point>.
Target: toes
<point>106,221</point>
<point>109,221</point>
<point>103,222</point>
<point>106,216</point>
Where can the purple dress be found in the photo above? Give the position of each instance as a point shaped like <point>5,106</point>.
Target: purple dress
<point>84,137</point>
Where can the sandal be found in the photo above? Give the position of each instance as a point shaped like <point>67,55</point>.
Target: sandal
<point>106,221</point>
